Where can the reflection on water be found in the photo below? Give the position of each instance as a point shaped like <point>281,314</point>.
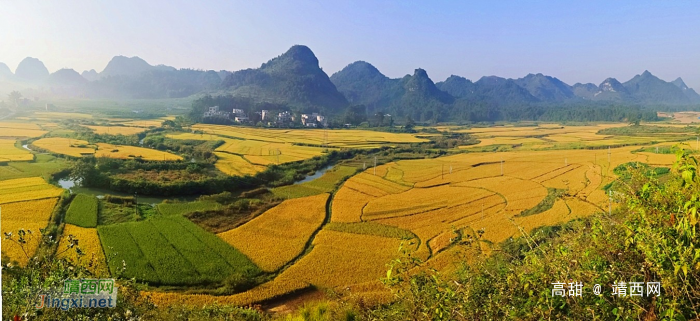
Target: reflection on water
<point>26,147</point>
<point>316,175</point>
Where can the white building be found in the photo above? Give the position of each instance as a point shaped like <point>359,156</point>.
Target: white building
<point>264,114</point>
<point>215,112</point>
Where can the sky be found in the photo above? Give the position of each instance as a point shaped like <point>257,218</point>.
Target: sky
<point>575,41</point>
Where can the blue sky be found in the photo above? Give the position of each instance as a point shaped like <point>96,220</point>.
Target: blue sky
<point>583,41</point>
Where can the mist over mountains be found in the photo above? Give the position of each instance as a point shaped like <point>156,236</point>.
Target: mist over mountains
<point>295,79</point>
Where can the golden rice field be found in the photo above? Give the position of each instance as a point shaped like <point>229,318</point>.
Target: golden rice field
<point>20,130</point>
<point>341,259</point>
<point>685,117</point>
<point>553,136</point>
<point>468,191</point>
<point>89,243</point>
<point>235,165</point>
<point>27,189</point>
<point>126,152</point>
<point>256,152</point>
<point>280,234</point>
<point>117,130</point>
<point>334,138</point>
<point>19,125</point>
<point>59,115</point>
<point>65,146</point>
<point>143,123</point>
<point>10,153</point>
<point>80,148</point>
<point>32,215</point>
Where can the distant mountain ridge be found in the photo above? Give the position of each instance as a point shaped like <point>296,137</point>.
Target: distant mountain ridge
<point>296,80</point>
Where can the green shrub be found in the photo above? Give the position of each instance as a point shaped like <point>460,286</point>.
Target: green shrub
<point>181,208</point>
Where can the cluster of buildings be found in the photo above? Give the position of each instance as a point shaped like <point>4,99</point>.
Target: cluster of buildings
<point>313,120</point>
<point>284,118</point>
<point>237,115</point>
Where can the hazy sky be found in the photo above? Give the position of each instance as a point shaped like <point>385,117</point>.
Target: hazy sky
<point>576,41</point>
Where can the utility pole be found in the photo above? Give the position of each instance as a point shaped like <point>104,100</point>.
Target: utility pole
<point>375,165</point>
<point>501,166</point>
<point>442,173</point>
<point>450,169</point>
<point>364,166</point>
<point>657,149</point>
<point>278,156</point>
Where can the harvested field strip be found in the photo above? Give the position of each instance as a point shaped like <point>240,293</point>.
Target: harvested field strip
<point>371,228</point>
<point>442,241</point>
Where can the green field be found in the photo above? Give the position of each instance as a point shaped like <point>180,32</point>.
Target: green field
<point>83,211</point>
<point>43,165</point>
<point>171,251</point>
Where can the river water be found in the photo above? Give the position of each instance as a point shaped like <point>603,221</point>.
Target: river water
<point>316,175</point>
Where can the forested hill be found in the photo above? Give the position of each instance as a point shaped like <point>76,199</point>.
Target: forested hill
<point>294,78</point>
